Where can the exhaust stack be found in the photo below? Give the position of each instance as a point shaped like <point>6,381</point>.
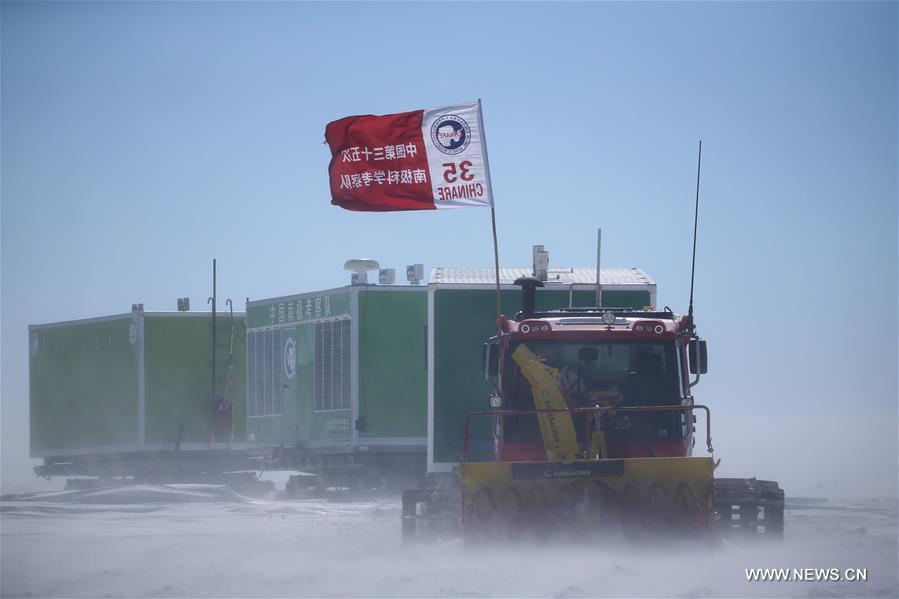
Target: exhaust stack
<point>541,262</point>
<point>528,295</point>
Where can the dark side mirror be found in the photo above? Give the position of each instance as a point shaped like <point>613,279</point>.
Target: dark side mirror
<point>699,356</point>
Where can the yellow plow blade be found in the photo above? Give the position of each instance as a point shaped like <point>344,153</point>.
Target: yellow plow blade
<point>652,494</point>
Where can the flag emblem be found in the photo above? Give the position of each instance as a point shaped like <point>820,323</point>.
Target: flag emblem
<point>450,134</point>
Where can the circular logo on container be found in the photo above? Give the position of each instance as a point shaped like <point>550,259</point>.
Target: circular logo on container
<point>450,134</point>
<point>35,345</point>
<point>290,358</point>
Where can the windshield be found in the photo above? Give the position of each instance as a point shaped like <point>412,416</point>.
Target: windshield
<point>600,374</point>
<point>594,374</point>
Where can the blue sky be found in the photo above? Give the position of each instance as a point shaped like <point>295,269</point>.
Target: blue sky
<point>140,140</point>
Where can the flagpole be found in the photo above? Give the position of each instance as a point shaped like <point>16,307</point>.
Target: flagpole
<point>499,310</point>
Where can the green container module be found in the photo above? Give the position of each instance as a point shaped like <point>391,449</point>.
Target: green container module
<point>336,379</point>
<point>107,389</point>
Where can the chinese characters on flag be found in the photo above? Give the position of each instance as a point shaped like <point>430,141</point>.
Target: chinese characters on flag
<point>419,160</point>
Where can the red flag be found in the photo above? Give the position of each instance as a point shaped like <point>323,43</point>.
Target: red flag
<point>419,160</point>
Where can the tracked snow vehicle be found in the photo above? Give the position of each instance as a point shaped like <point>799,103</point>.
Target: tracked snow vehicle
<point>595,421</point>
<point>594,426</point>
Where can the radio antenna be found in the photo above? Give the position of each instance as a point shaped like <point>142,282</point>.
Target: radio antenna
<point>695,225</point>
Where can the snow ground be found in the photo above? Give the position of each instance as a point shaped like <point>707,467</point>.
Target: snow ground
<point>206,541</point>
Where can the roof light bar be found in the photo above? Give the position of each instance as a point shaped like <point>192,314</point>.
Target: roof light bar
<point>534,326</point>
<point>649,327</point>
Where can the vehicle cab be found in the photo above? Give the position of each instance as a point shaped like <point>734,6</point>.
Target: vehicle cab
<point>600,360</point>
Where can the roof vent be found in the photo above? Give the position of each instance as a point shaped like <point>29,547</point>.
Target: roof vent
<point>387,276</point>
<point>360,268</point>
<point>415,273</point>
